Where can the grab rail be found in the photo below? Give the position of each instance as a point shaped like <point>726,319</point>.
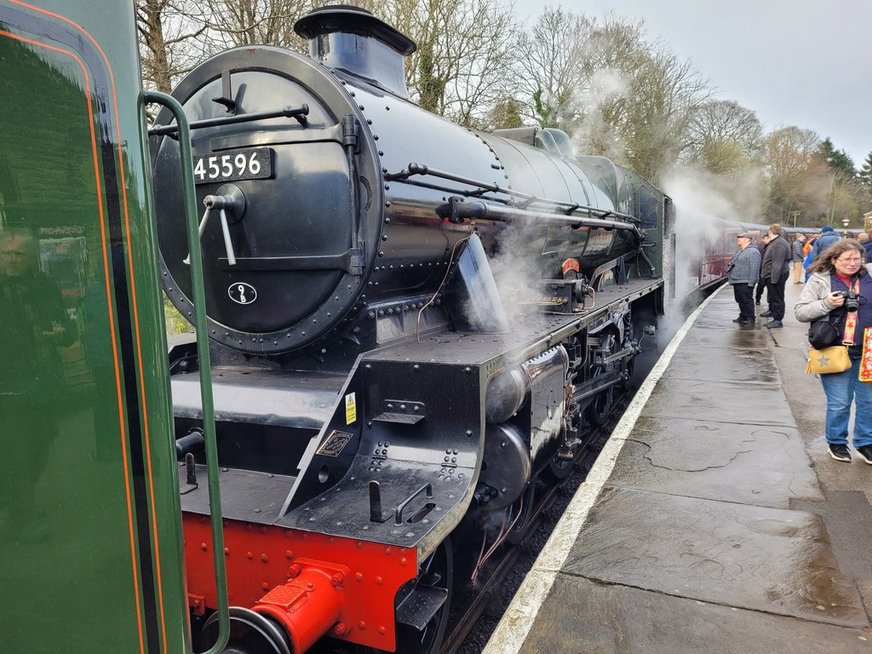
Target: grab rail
<point>199,302</point>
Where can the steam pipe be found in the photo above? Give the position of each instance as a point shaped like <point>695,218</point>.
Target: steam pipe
<point>456,209</point>
<point>415,169</point>
<point>647,260</point>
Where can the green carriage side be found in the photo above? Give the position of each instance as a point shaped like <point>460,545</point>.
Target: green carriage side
<point>90,535</point>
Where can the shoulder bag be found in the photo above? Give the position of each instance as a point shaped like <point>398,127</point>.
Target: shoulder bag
<point>828,360</point>
<point>828,330</point>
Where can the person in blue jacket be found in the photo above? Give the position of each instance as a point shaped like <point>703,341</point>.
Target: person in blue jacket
<point>867,245</point>
<point>826,239</point>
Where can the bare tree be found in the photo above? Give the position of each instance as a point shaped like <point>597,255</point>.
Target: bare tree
<point>460,68</point>
<point>663,99</point>
<point>249,22</point>
<point>619,94</point>
<point>482,78</point>
<point>616,53</point>
<point>789,151</point>
<point>164,35</point>
<point>726,138</point>
<point>551,67</point>
<point>798,180</point>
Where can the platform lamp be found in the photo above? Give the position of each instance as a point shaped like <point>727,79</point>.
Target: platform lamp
<point>845,223</point>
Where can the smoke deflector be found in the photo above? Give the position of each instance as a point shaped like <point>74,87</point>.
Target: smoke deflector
<point>471,296</point>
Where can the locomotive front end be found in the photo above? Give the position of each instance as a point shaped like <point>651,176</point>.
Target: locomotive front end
<point>287,173</point>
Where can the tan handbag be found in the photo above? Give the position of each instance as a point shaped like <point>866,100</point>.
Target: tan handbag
<point>828,360</point>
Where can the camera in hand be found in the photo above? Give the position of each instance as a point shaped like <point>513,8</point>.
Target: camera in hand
<point>852,300</point>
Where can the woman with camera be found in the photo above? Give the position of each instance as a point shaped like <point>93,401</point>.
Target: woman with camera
<point>841,282</point>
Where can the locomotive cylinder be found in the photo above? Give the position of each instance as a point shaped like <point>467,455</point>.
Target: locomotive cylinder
<point>512,448</point>
<point>505,395</point>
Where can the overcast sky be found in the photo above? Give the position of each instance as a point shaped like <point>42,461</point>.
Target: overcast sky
<point>806,63</point>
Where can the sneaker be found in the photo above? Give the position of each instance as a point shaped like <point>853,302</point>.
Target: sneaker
<point>747,321</point>
<point>738,320</point>
<point>774,324</point>
<point>841,452</point>
<point>866,453</point>
<point>766,314</point>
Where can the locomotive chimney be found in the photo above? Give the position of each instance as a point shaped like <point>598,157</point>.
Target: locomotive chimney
<point>352,39</point>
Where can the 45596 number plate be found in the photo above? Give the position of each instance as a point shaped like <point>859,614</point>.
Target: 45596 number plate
<point>233,165</point>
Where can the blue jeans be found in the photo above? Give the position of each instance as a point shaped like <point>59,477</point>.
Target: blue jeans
<point>842,389</point>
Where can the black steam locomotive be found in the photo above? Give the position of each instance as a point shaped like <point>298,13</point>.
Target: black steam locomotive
<point>411,323</point>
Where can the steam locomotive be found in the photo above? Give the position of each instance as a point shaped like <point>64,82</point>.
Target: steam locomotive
<point>412,326</point>
<point>374,394</point>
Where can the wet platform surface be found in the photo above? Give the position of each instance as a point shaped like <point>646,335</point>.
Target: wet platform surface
<point>714,519</point>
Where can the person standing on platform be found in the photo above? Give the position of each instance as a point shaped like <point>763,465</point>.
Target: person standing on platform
<point>796,258</point>
<point>867,245</point>
<point>774,273</point>
<point>839,269</point>
<point>826,239</point>
<point>806,263</point>
<point>761,248</point>
<point>809,243</point>
<point>743,273</point>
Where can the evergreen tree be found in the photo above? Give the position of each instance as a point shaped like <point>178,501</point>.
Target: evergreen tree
<point>865,174</point>
<point>838,160</point>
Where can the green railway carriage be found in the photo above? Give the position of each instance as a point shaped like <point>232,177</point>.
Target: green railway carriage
<point>90,535</point>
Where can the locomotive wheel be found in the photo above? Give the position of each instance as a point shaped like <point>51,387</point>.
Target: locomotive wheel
<point>437,572</point>
<point>599,410</point>
<point>561,467</point>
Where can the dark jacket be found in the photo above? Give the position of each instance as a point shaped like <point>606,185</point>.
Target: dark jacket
<point>796,251</point>
<point>776,261</point>
<point>744,267</point>
<point>867,245</point>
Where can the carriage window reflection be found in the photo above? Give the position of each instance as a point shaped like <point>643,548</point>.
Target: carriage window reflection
<point>36,329</point>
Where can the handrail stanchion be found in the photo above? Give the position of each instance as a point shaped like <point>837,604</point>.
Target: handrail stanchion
<point>199,302</point>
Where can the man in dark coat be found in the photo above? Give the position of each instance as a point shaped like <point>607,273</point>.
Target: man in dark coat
<point>743,272</point>
<point>774,273</point>
<point>761,285</point>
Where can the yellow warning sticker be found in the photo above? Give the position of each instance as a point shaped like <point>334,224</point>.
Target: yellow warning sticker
<point>350,409</point>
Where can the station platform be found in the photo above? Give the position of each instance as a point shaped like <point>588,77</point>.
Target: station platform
<point>714,519</point>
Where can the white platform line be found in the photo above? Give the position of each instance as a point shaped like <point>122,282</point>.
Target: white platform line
<point>515,625</point>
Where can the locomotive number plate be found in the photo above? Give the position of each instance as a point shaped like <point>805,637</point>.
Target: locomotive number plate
<point>251,163</point>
